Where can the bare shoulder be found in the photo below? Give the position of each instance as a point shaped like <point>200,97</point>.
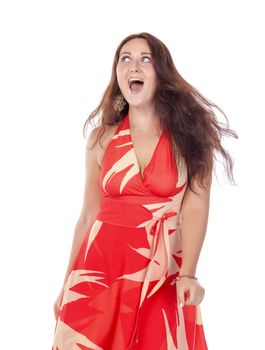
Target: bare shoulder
<point>97,149</point>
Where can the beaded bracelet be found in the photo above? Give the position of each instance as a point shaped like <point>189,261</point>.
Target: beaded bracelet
<point>179,277</point>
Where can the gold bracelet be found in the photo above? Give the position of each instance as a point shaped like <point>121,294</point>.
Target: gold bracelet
<point>179,277</point>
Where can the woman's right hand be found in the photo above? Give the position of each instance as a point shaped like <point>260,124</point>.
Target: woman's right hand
<point>57,304</point>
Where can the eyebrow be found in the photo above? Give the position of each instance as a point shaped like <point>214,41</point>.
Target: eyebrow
<point>142,53</point>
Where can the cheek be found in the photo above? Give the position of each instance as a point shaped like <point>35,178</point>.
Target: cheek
<point>151,74</point>
<point>152,81</point>
<point>120,75</point>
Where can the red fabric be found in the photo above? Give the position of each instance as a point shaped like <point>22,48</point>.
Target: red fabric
<point>121,293</point>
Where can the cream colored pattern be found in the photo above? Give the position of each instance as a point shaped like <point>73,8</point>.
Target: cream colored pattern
<point>122,163</point>
<point>170,342</point>
<point>94,230</point>
<point>181,330</point>
<point>123,132</point>
<point>76,277</point>
<point>198,315</point>
<point>66,338</point>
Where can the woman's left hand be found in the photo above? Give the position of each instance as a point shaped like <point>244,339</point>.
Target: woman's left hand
<point>190,291</point>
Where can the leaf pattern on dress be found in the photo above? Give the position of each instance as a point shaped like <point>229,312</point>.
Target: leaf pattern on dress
<point>69,339</point>
<point>80,276</point>
<point>170,342</point>
<point>129,258</point>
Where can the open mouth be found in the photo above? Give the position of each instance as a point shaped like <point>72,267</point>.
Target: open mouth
<point>135,85</point>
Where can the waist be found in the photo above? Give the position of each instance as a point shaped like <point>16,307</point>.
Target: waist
<point>136,211</point>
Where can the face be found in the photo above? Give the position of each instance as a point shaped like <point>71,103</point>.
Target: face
<point>135,64</point>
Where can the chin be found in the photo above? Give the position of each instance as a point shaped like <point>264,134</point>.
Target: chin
<point>134,103</point>
<point>138,105</point>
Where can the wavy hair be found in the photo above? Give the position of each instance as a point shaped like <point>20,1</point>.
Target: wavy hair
<point>189,117</point>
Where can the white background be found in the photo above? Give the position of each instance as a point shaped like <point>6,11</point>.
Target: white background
<point>56,59</point>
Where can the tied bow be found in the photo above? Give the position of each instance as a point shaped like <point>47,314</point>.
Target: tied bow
<point>159,228</point>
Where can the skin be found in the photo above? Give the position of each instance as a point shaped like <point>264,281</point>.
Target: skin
<point>135,60</point>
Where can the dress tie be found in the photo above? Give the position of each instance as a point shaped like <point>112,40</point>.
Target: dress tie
<point>160,228</point>
<point>137,215</point>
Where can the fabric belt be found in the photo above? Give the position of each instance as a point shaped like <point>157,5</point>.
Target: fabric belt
<point>129,214</point>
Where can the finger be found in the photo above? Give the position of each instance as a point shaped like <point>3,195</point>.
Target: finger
<point>201,296</point>
<point>181,297</point>
<point>56,310</point>
<point>196,296</point>
<point>191,296</point>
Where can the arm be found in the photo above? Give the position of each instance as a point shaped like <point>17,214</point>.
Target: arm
<point>194,212</point>
<point>91,199</point>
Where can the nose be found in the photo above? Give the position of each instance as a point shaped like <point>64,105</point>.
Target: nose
<point>134,67</point>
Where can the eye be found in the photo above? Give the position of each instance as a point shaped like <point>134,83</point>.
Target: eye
<point>148,58</point>
<point>123,58</point>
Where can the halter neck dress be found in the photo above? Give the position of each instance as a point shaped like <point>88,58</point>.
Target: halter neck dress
<point>121,291</point>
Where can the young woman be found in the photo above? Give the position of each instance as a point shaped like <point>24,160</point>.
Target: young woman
<point>131,280</point>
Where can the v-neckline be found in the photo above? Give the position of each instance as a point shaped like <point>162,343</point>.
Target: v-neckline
<point>142,173</point>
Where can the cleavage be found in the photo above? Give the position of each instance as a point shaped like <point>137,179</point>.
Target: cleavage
<point>145,147</point>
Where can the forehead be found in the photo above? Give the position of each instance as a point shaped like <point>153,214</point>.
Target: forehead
<point>136,45</point>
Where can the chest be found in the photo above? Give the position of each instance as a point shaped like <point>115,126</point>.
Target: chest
<point>144,145</point>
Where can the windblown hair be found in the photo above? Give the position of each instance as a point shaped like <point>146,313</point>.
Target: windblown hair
<point>188,116</point>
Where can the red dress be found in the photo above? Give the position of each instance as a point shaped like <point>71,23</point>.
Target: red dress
<point>121,293</point>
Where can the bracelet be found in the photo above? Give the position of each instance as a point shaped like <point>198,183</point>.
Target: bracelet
<point>179,277</point>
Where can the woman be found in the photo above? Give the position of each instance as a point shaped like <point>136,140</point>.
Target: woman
<point>130,282</point>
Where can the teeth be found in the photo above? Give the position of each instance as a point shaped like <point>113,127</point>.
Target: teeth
<point>131,80</point>
<point>135,79</point>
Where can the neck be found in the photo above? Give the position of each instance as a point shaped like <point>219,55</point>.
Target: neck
<point>142,118</point>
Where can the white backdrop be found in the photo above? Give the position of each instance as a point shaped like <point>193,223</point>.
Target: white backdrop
<point>56,59</point>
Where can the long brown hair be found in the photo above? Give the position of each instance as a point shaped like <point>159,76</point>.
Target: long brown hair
<point>187,115</point>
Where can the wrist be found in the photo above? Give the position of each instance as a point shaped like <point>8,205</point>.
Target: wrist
<point>186,276</point>
<point>187,272</point>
